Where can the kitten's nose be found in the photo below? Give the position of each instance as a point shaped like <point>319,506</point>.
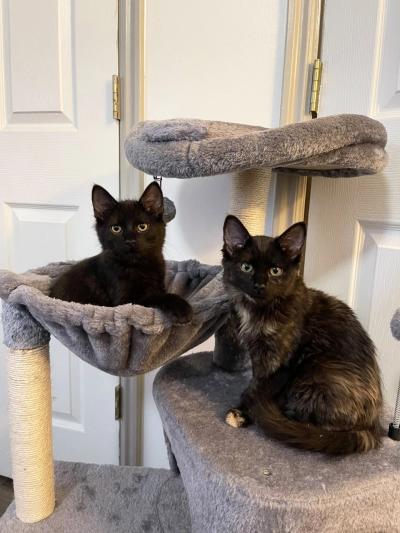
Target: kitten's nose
<point>259,286</point>
<point>130,241</point>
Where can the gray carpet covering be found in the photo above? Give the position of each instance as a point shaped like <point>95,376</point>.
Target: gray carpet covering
<point>123,340</point>
<point>341,145</point>
<point>110,499</point>
<point>239,480</point>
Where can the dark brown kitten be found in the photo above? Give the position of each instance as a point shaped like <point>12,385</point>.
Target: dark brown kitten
<point>316,382</point>
<point>131,267</point>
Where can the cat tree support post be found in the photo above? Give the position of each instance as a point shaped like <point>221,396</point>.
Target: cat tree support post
<point>250,190</point>
<point>29,403</point>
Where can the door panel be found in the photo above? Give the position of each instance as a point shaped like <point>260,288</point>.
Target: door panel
<point>353,246</point>
<point>38,71</point>
<point>58,137</point>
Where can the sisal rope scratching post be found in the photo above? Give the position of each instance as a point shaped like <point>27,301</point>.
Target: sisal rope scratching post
<point>250,190</point>
<point>29,394</point>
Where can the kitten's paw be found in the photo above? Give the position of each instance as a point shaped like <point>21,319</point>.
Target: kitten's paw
<point>236,418</point>
<point>179,311</point>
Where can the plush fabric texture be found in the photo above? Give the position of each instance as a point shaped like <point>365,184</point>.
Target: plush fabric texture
<point>240,481</point>
<point>110,499</point>
<point>169,210</point>
<point>342,145</point>
<point>124,340</point>
<point>395,325</point>
<point>21,330</point>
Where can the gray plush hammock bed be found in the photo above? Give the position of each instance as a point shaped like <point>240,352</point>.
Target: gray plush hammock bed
<point>124,340</point>
<point>131,339</point>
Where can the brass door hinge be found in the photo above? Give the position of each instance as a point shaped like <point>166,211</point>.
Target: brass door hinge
<point>315,87</point>
<point>116,96</point>
<point>118,402</point>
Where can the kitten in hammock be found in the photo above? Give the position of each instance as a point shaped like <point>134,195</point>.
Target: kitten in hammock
<point>131,268</point>
<point>316,382</point>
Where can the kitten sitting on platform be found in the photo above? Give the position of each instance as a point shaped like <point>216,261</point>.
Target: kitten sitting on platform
<point>131,267</point>
<point>316,382</point>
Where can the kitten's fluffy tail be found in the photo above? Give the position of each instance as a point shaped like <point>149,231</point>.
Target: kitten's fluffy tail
<point>310,437</point>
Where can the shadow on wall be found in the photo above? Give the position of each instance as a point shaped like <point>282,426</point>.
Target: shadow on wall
<point>202,204</point>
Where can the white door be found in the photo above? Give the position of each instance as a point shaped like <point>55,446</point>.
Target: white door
<point>353,246</point>
<point>57,138</point>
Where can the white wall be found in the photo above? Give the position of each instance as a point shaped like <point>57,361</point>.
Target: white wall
<point>209,59</point>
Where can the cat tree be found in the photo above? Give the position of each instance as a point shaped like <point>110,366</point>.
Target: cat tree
<point>229,480</point>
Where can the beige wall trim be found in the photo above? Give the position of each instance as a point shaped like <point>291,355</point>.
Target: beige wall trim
<point>131,39</point>
<point>302,40</point>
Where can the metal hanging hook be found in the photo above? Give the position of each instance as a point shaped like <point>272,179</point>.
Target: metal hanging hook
<point>159,180</point>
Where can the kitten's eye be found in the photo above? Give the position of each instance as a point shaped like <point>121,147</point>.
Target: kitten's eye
<point>116,229</point>
<point>276,271</point>
<point>143,227</point>
<point>246,267</point>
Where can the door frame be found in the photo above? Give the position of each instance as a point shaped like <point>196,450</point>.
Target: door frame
<point>131,24</point>
<point>291,192</point>
<point>288,200</point>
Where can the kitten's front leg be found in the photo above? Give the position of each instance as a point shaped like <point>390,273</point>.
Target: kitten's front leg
<point>176,308</point>
<point>260,383</point>
<point>240,416</point>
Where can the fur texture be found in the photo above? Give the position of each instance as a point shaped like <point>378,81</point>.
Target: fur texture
<point>131,268</point>
<point>316,382</point>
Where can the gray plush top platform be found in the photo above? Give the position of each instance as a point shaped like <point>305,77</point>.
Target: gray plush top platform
<point>250,483</point>
<point>110,499</point>
<point>124,340</point>
<point>342,145</point>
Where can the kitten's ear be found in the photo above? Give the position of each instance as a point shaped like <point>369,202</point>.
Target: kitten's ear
<point>235,234</point>
<point>291,242</point>
<point>152,199</point>
<point>102,202</point>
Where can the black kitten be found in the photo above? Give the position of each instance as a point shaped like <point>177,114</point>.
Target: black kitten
<point>131,268</point>
<point>316,382</point>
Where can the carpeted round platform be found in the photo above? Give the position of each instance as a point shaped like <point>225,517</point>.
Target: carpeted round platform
<point>110,499</point>
<point>238,480</point>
